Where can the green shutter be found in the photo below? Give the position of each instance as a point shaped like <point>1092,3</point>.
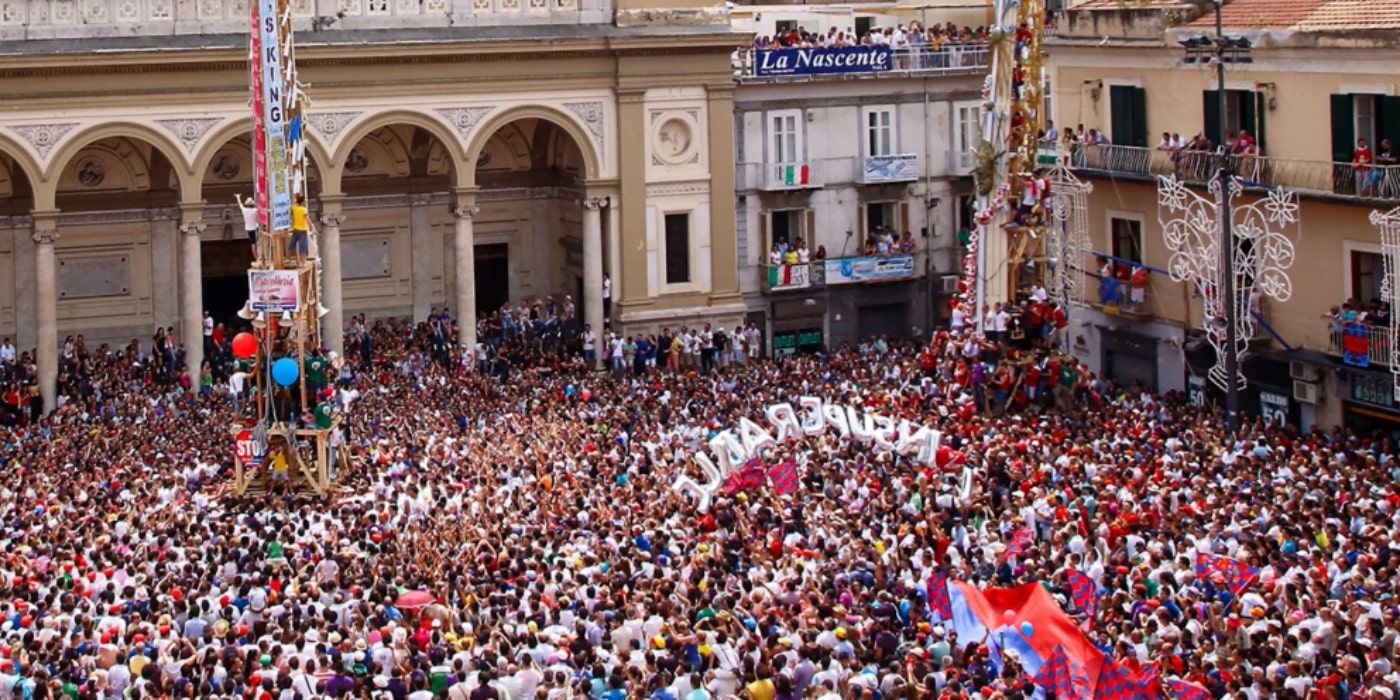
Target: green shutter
<point>1120,99</point>
<point>1343,128</point>
<point>1248,113</point>
<point>1390,119</point>
<point>1140,117</point>
<point>1210,110</point>
<point>1261,108</point>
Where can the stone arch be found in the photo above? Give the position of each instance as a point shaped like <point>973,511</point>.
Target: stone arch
<point>157,138</point>
<point>364,126</point>
<point>27,166</point>
<point>566,122</point>
<point>215,141</point>
<point>126,169</point>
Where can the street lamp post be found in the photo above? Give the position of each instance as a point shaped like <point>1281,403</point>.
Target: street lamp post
<point>1224,50</point>
<point>931,207</point>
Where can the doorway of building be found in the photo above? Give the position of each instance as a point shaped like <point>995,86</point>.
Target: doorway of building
<point>492,276</point>
<point>225,267</point>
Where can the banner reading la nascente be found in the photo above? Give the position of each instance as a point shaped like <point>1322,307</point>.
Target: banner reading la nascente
<point>822,61</point>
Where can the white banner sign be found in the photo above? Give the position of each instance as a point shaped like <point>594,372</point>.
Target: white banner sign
<point>273,290</point>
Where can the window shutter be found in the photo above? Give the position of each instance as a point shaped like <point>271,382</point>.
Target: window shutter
<point>1139,117</point>
<point>1120,99</point>
<point>1390,119</point>
<point>1210,110</point>
<point>1248,113</point>
<point>903,218</point>
<point>809,228</point>
<point>1261,108</point>
<point>860,227</point>
<point>763,241</point>
<point>1343,128</point>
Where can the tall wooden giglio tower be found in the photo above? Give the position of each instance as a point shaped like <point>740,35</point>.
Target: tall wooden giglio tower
<point>288,433</point>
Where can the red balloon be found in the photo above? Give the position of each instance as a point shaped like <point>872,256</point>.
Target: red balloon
<point>244,345</point>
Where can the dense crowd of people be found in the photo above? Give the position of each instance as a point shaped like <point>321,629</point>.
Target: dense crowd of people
<point>516,534</point>
<point>899,36</point>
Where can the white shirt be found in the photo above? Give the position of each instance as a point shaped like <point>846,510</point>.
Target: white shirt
<point>7,353</point>
<point>589,338</point>
<point>250,217</point>
<point>208,327</point>
<point>607,287</point>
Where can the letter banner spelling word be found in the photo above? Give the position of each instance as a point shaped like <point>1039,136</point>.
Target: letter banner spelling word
<point>274,103</point>
<point>818,61</point>
<point>273,290</point>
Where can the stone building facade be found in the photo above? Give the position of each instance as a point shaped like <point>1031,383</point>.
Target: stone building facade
<point>554,141</point>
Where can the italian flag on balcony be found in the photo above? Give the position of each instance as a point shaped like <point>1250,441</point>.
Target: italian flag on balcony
<point>779,275</point>
<point>794,174</point>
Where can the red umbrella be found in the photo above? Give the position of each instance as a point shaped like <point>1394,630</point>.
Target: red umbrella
<point>415,599</point>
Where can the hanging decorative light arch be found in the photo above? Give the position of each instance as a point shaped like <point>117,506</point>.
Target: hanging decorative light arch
<point>1263,254</point>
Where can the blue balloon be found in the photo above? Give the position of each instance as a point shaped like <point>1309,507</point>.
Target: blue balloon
<point>569,390</point>
<point>285,371</point>
<point>1027,629</point>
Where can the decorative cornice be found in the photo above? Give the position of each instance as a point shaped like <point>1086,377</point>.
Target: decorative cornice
<point>591,114</point>
<point>115,216</point>
<point>695,187</point>
<point>43,137</point>
<point>189,130</point>
<point>329,124</point>
<point>164,213</point>
<point>464,119</point>
<point>209,66</point>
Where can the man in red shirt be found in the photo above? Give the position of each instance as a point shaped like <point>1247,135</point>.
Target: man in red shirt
<point>1361,160</point>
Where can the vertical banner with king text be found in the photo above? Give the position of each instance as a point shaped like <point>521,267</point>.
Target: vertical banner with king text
<point>274,115</point>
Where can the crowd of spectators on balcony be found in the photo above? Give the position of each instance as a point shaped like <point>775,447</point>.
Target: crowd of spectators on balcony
<point>1375,170</point>
<point>899,36</point>
<point>1376,313</point>
<point>883,242</point>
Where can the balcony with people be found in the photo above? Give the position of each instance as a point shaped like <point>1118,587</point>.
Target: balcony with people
<point>1371,174</point>
<point>1360,333</point>
<point>883,256</point>
<point>900,50</point>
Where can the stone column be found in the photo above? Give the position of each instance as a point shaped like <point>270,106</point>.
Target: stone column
<point>46,305</point>
<point>615,250</point>
<point>593,265</point>
<point>192,289</point>
<point>333,325</point>
<point>423,255</point>
<point>464,259</point>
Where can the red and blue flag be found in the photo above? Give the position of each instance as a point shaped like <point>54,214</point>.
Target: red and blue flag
<point>1235,573</point>
<point>1082,592</point>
